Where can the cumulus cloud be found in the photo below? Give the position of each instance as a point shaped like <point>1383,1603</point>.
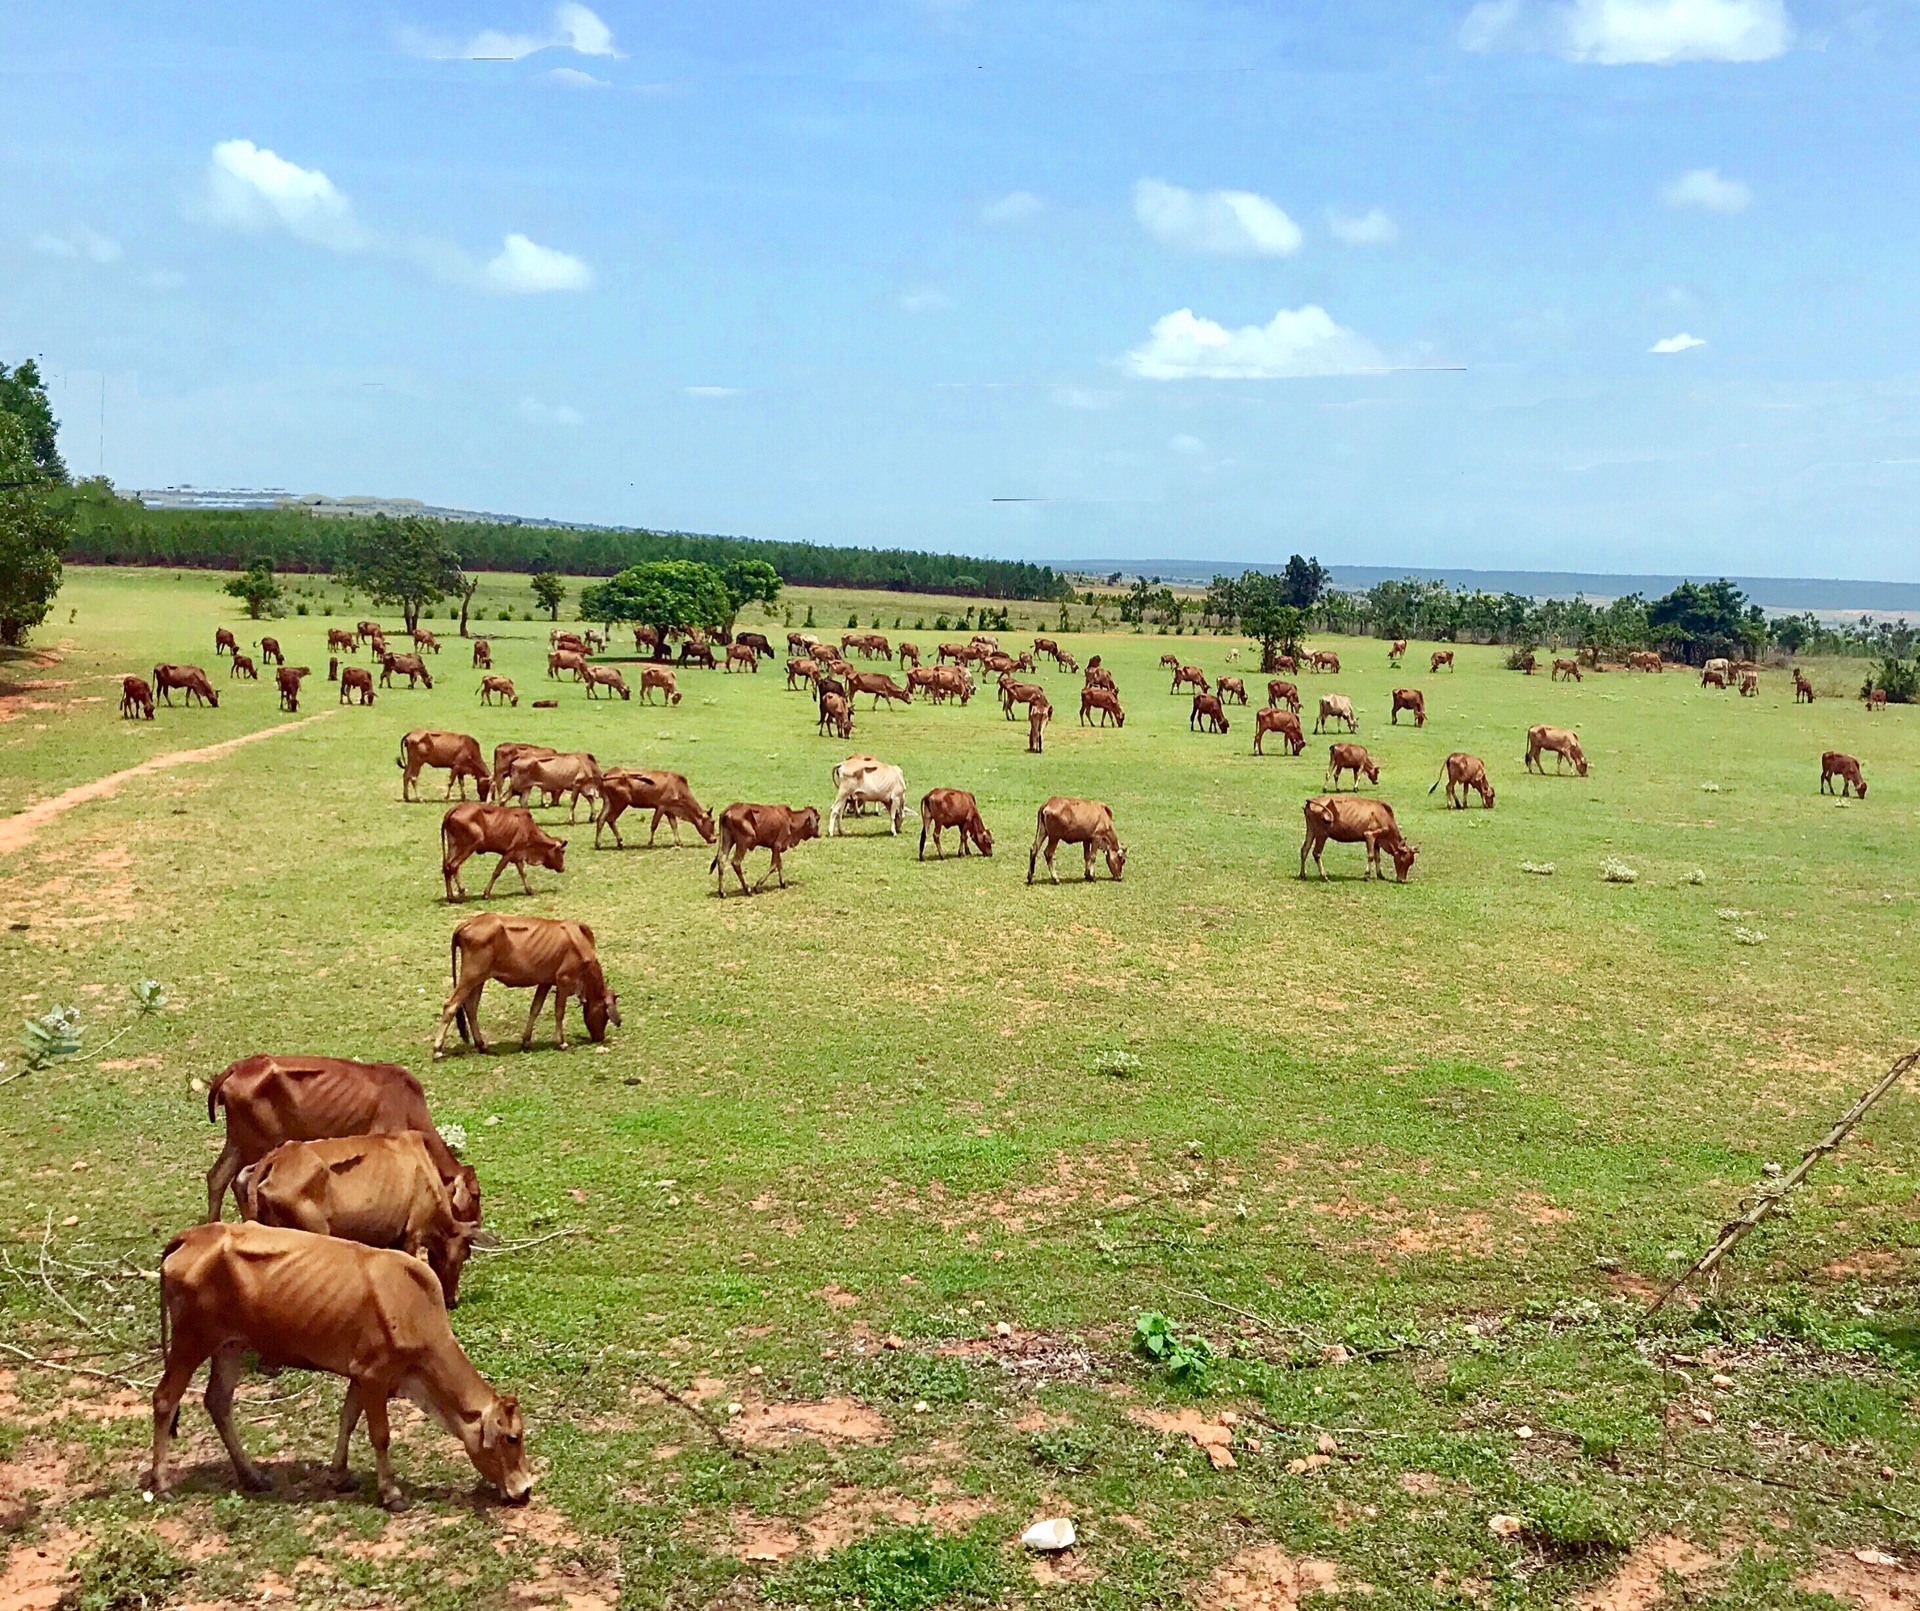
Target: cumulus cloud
<point>1707,188</point>
<point>1295,343</point>
<point>1679,343</point>
<point>1016,207</point>
<point>79,241</point>
<point>573,78</point>
<point>1224,223</point>
<point>540,413</point>
<point>1370,228</point>
<point>252,188</point>
<point>523,267</point>
<point>1616,32</point>
<point>575,27</point>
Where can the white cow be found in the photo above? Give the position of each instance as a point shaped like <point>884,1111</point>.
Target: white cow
<point>1336,708</point>
<point>863,780</point>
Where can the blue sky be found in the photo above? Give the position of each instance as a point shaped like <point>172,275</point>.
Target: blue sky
<point>1577,284</point>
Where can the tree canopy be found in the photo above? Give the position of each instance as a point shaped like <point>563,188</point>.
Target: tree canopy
<point>405,564</point>
<point>33,531</point>
<point>23,394</point>
<point>1698,620</point>
<point>1268,614</point>
<point>663,594</point>
<point>257,586</point>
<point>548,591</point>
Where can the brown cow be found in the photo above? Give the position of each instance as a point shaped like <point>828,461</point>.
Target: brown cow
<point>541,954</point>
<point>665,794</point>
<point>1351,758</point>
<point>1712,677</point>
<point>224,642</point>
<point>368,630</point>
<point>379,1191</point>
<point>572,642</point>
<point>879,684</point>
<point>1336,708</point>
<point>953,808</point>
<point>575,776</point>
<point>1087,823</point>
<point>647,638</point>
<point>1269,720</point>
<point>1190,674</point>
<point>341,641</point>
<point>1561,742</point>
<point>660,677</point>
<point>1208,709</point>
<point>609,678</point>
<point>482,655</point>
<point>1047,646</point>
<point>1526,661</point>
<point>909,653</point>
<point>952,682</point>
<point>1565,671</point>
<point>1067,662</point>
<point>1232,688</point>
<point>745,827</point>
<point>1283,693</point>
<point>269,1099</point>
<point>310,1302</point>
<point>425,641</point>
<point>1019,693</point>
<point>1170,661</point>
<point>1749,684</point>
<point>504,755</point>
<point>1833,765</point>
<point>1104,700</point>
<point>804,670</point>
<point>1397,652</point>
<point>743,654</point>
<point>1802,689</point>
<point>356,677</point>
<point>459,754</point>
<point>410,665</point>
<point>1463,772</point>
<point>270,654</point>
<point>1284,662</point>
<point>243,666</point>
<point>1324,660</point>
<point>1352,819</point>
<point>136,698</point>
<point>1409,699</point>
<point>1099,677</point>
<point>508,832</point>
<point>1039,713</point>
<point>492,684</point>
<point>288,678</point>
<point>1441,657</point>
<point>1876,699</point>
<point>757,642</point>
<point>697,651</point>
<point>191,680</point>
<point>574,660</point>
<point>925,679</point>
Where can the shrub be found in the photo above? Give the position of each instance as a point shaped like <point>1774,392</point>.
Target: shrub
<point>1188,1361</point>
<point>132,1572</point>
<point>1615,871</point>
<point>902,1569</point>
<point>1116,1063</point>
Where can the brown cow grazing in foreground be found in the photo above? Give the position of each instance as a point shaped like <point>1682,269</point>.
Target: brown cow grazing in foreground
<point>1351,819</point>
<point>1284,722</point>
<point>745,827</point>
<point>1286,663</point>
<point>459,754</point>
<point>1409,699</point>
<point>1713,678</point>
<point>379,1191</point>
<point>662,678</point>
<point>696,651</point>
<point>224,642</point>
<point>356,678</point>
<point>243,666</point>
<point>574,660</point>
<point>1099,677</point>
<point>508,832</point>
<point>541,954</point>
<point>1283,693</point>
<point>270,654</point>
<point>575,776</point>
<point>1565,671</point>
<point>953,808</point>
<point>504,755</point>
<point>269,1099</point>
<point>1561,742</point>
<point>1463,772</point>
<point>425,641</point>
<point>136,698</point>
<point>1441,657</point>
<point>1351,758</point>
<point>1324,660</point>
<point>836,716</point>
<point>609,678</point>
<point>1749,684</point>
<point>1039,713</point>
<point>757,642</point>
<point>804,670</point>
<point>909,653</point>
<point>482,655</point>
<point>665,794</point>
<point>310,1302</point>
<point>1208,709</point>
<point>1802,689</point>
<point>1183,675</point>
<point>1844,767</point>
<point>191,680</point>
<point>1104,700</point>
<point>1087,823</point>
<point>1336,708</point>
<point>952,682</point>
<point>288,678</point>
<point>411,666</point>
<point>492,684</point>
<point>1232,688</point>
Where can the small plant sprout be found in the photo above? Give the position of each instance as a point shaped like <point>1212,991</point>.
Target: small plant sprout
<point>1746,936</point>
<point>1116,1063</point>
<point>455,1136</point>
<point>1697,876</point>
<point>1615,871</point>
<point>149,996</point>
<point>1188,1361</point>
<point>48,1038</point>
<point>1544,869</point>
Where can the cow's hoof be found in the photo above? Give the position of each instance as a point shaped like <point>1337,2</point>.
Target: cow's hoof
<point>342,1481</point>
<point>256,1482</point>
<point>393,1500</point>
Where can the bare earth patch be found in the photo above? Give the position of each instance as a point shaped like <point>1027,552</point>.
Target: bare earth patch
<point>36,1574</point>
<point>849,1513</point>
<point>1263,1579</point>
<point>1641,1581</point>
<point>1869,1583</point>
<point>1214,1438</point>
<point>838,1420</point>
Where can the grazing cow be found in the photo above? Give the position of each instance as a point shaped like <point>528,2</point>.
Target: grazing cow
<point>1232,688</point>
<point>646,638</point>
<point>372,1315</point>
<point>242,666</point>
<point>425,641</point>
<point>574,660</point>
<point>1723,666</point>
<point>1099,677</point>
<point>955,652</point>
<point>341,641</point>
<point>836,715</point>
<point>1000,664</point>
<point>1397,652</point>
<point>1351,819</point>
<point>1844,767</point>
<point>609,678</point>
<point>136,698</point>
<point>1336,708</point>
<point>1170,661</point>
<point>491,684</point>
<point>459,754</point>
<point>1749,684</point>
<point>576,776</point>
<point>1526,661</point>
<point>1068,663</point>
<point>367,630</point>
<point>1802,689</point>
<point>190,680</point>
<point>1351,758</point>
<point>697,652</point>
<point>482,655</point>
<point>1565,671</point>
<point>1441,657</point>
<point>909,653</point>
<point>799,643</point>
<point>354,678</point>
<point>1876,699</point>
<point>288,679</point>
<point>862,780</point>
<point>1283,693</point>
<point>1039,713</point>
<point>757,642</point>
<point>379,1191</point>
<point>1018,693</point>
<point>652,677</point>
<point>744,828</point>
<point>1409,699</point>
<point>1324,660</point>
<point>1104,700</point>
<point>803,670</point>
<point>540,954</point>
<point>270,653</point>
<point>1190,674</point>
<point>1461,773</point>
<point>269,1099</point>
<point>1286,663</point>
<point>1561,742</point>
<point>951,682</point>
<point>411,666</point>
<point>377,646</point>
<point>1645,660</point>
<point>1711,678</point>
<point>504,755</point>
<point>1087,823</point>
<point>953,808</point>
<point>508,832</point>
<point>743,655</point>
<point>1046,646</point>
<point>1284,722</point>
<point>596,640</point>
<point>224,642</point>
<point>825,684</point>
<point>879,684</point>
<point>925,679</point>
<point>1208,709</point>
<point>566,642</point>
<point>665,794</point>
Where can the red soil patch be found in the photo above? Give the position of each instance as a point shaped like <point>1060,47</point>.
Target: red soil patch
<point>1214,1438</point>
<point>36,1574</point>
<point>1640,1582</point>
<point>1263,1579</point>
<point>1869,1584</point>
<point>837,1420</point>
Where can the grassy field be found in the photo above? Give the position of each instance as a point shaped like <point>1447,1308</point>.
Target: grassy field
<point>1407,1160</point>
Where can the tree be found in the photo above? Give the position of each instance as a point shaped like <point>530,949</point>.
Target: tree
<point>1265,615</point>
<point>469,585</point>
<point>1697,621</point>
<point>406,563</point>
<point>1305,580</point>
<point>33,532</point>
<point>256,585</point>
<point>663,594</point>
<point>24,395</point>
<point>549,590</point>
<point>750,579</point>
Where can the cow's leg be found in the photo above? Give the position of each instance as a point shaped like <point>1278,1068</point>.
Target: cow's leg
<point>379,1434</point>
<point>539,1001</point>
<point>501,867</point>
<point>182,1361</point>
<point>1088,848</point>
<point>225,1168</point>
<point>520,866</point>
<point>450,874</point>
<point>559,1018</point>
<point>341,1477</point>
<point>739,862</point>
<point>222,1377</point>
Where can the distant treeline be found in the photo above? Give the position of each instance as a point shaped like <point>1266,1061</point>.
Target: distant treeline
<point>111,530</point>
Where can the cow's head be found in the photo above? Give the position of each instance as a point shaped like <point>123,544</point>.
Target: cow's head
<point>1119,715</point>
<point>981,837</point>
<point>496,1440</point>
<point>1373,772</point>
<point>463,1193</point>
<point>1860,785</point>
<point>1486,791</point>
<point>703,825</point>
<point>806,824</point>
<point>1403,854</point>
<point>1116,859</point>
<point>599,1005</point>
<point>553,855</point>
<point>1579,761</point>
<point>483,783</point>
<point>213,697</point>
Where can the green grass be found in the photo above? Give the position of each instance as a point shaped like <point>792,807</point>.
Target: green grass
<point>1446,1126</point>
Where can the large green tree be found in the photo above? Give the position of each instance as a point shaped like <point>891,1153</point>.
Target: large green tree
<point>256,585</point>
<point>1699,620</point>
<point>1304,581</point>
<point>1268,615</point>
<point>405,564</point>
<point>33,531</point>
<point>663,594</point>
<point>23,394</point>
<point>548,591</point>
<point>750,579</point>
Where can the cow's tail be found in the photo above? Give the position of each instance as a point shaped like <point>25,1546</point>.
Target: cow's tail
<point>1441,778</point>
<point>213,1094</point>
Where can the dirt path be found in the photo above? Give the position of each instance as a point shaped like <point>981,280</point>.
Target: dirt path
<point>17,831</point>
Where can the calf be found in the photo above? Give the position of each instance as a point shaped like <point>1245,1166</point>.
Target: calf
<point>243,666</point>
<point>270,654</point>
<point>1844,767</point>
<point>1284,722</point>
<point>482,655</point>
<point>1039,713</point>
<point>191,680</point>
<point>1208,709</point>
<point>745,827</point>
<point>1193,675</point>
<point>310,1302</point>
<point>1087,823</point>
<point>458,753</point>
<point>1713,678</point>
<point>575,777</point>
<point>1336,708</point>
<point>1106,702</point>
<point>836,716</point>
<point>356,679</point>
<point>1802,689</point>
<point>288,679</point>
<point>1351,758</point>
<point>665,794</point>
<point>609,678</point>
<point>1412,701</point>
<point>1463,772</point>
<point>411,666</point>
<point>538,953</point>
<point>492,685</point>
<point>1441,657</point>
<point>1876,699</point>
<point>136,698</point>
<point>1565,671</point>
<point>341,641</point>
<point>1397,652</point>
<point>224,642</point>
<point>1350,819</point>
<point>1283,693</point>
<point>743,656</point>
<point>863,780</point>
<point>1562,743</point>
<point>652,677</point>
<point>508,832</point>
<point>1233,688</point>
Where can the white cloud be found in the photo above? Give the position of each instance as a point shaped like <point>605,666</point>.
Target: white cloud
<point>713,391</point>
<point>1225,223</point>
<point>573,78</point>
<point>1709,189</point>
<point>250,187</point>
<point>550,413</point>
<point>1297,342</point>
<point>1370,228</point>
<point>523,267</point>
<point>925,299</point>
<point>1191,446</point>
<point>1615,32</point>
<point>79,241</point>
<point>575,28</point>
<point>1084,397</point>
<point>1679,343</point>
<point>1016,207</point>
